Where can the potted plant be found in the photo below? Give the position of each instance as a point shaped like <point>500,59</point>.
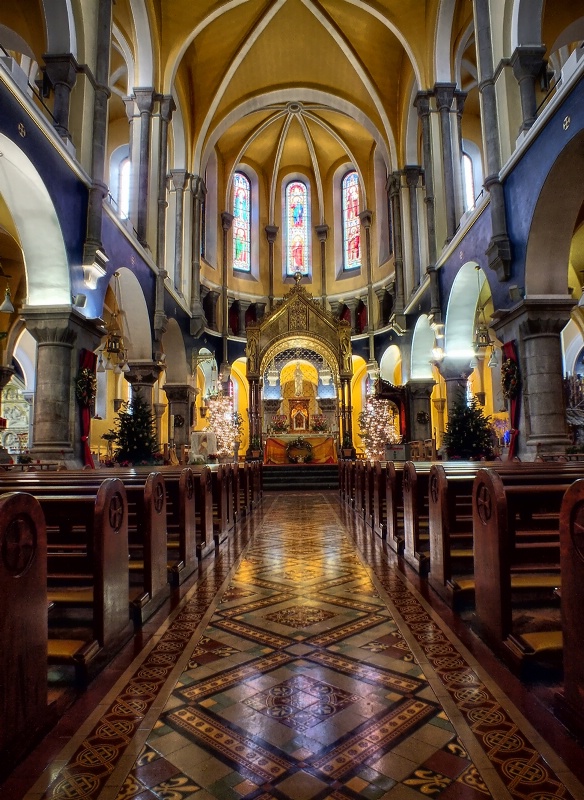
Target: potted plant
<point>255,446</point>
<point>347,446</point>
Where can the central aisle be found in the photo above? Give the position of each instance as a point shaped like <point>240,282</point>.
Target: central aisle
<point>302,673</point>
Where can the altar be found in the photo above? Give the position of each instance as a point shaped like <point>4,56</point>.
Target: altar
<point>292,448</point>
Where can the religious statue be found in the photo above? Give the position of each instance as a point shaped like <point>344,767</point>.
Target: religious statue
<point>252,355</point>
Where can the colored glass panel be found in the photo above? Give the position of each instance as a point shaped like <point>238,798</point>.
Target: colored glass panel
<point>297,227</point>
<point>241,225</point>
<point>351,221</point>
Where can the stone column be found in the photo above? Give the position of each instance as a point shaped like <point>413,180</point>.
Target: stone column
<point>61,70</point>
<point>527,63</point>
<point>93,248</point>
<point>393,188</point>
<point>179,179</point>
<point>271,233</point>
<point>159,409</point>
<point>413,173</point>
<point>422,103</point>
<point>322,233</point>
<point>198,319</point>
<point>142,377</point>
<point>352,303</point>
<point>167,106</point>
<point>459,101</point>
<point>60,334</point>
<point>243,306</point>
<point>226,222</point>
<point>180,401</point>
<point>444,94</point>
<point>536,325</point>
<point>212,301</point>
<point>144,99</point>
<point>499,249</point>
<point>455,372</point>
<point>419,393</point>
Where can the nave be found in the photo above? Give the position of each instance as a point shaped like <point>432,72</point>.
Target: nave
<point>304,663</point>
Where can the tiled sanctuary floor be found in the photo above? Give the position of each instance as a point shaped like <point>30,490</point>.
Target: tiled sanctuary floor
<point>305,666</point>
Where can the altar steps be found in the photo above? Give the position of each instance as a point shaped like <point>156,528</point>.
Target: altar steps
<point>300,477</point>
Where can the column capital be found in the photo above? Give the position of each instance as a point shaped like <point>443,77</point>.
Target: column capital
<point>444,94</point>
<point>198,188</point>
<point>271,233</point>
<point>143,374</point>
<point>422,102</point>
<point>412,173</point>
<point>61,68</point>
<point>144,99</point>
<point>179,178</point>
<point>393,185</point>
<point>167,107</point>
<point>366,218</point>
<point>322,232</point>
<point>527,61</point>
<point>460,98</point>
<point>226,220</point>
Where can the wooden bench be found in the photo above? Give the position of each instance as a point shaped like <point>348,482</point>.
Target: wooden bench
<point>516,549</point>
<point>23,626</point>
<point>569,701</point>
<point>93,577</point>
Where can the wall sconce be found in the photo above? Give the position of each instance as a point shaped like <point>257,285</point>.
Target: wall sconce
<point>114,353</point>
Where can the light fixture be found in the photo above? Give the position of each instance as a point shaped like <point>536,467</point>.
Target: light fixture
<point>325,375</point>
<point>481,337</point>
<point>272,374</point>
<point>6,307</point>
<point>113,355</point>
<point>437,352</point>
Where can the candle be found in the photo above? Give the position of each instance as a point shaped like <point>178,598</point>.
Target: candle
<point>172,425</point>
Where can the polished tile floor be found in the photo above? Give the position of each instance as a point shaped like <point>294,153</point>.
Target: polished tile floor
<point>302,664</point>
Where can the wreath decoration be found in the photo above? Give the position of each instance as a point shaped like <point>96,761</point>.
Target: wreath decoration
<point>302,445</point>
<point>179,421</point>
<point>85,386</point>
<point>510,380</point>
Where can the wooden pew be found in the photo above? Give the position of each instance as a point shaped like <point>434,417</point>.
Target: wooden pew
<point>23,626</point>
<point>181,525</point>
<point>513,553</point>
<point>569,701</point>
<point>415,517</point>
<point>95,578</point>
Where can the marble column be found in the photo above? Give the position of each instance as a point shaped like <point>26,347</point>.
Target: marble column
<point>167,107</point>
<point>422,103</point>
<point>499,249</point>
<point>60,334</point>
<point>413,174</point>
<point>198,318</point>
<point>444,94</point>
<point>527,63</point>
<point>420,418</point>
<point>142,377</point>
<point>159,409</point>
<point>93,248</point>
<point>61,70</point>
<point>181,399</point>
<point>535,324</point>
<point>455,372</point>
<point>394,188</point>
<point>179,178</point>
<point>144,99</point>
<point>271,234</point>
<point>322,233</point>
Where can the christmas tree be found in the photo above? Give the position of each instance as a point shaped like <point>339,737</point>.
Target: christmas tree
<point>468,433</point>
<point>377,427</point>
<point>225,423</point>
<point>135,433</point>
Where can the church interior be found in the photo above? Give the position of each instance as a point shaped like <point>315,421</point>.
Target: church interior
<point>250,243</point>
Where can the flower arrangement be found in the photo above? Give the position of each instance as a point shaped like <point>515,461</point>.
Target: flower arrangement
<point>318,423</point>
<point>299,451</point>
<point>85,386</point>
<point>510,380</point>
<point>279,423</point>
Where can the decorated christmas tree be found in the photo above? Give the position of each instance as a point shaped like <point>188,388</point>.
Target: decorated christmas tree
<point>468,433</point>
<point>225,423</point>
<point>135,432</point>
<point>377,427</point>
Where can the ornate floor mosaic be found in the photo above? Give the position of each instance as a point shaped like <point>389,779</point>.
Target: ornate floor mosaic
<point>297,672</point>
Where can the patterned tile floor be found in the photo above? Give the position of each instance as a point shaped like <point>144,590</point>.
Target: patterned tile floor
<point>301,666</point>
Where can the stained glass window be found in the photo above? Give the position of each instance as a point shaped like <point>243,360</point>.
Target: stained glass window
<point>351,221</point>
<point>241,226</point>
<point>297,228</point>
